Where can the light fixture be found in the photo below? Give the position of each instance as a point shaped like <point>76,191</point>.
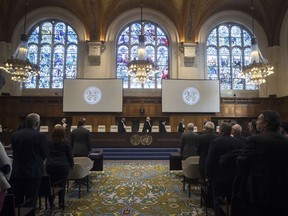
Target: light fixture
<point>141,69</point>
<point>20,68</point>
<point>256,72</point>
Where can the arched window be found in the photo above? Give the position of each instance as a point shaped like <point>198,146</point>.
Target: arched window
<point>53,45</point>
<point>156,46</point>
<point>228,50</point>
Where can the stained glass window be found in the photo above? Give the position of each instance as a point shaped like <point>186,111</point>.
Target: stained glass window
<point>53,45</point>
<point>156,47</point>
<point>228,50</point>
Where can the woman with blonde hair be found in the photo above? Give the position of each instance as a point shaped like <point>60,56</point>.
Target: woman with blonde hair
<point>59,161</point>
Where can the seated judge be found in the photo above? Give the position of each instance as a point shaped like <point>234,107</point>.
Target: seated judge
<point>147,125</point>
<point>162,128</point>
<point>121,126</point>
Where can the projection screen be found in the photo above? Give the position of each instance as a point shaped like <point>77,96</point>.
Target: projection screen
<point>190,96</point>
<point>92,95</point>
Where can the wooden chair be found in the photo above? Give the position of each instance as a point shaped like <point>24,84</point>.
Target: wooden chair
<point>114,128</point>
<point>168,128</point>
<point>9,208</point>
<point>155,128</point>
<point>46,190</point>
<point>101,128</point>
<point>44,128</point>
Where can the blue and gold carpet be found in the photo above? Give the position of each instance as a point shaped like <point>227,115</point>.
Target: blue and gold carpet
<point>138,188</point>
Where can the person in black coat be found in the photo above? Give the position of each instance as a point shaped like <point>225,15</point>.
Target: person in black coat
<point>59,161</point>
<point>121,126</point>
<point>181,126</point>
<point>147,125</point>
<point>220,179</point>
<point>264,161</point>
<point>30,149</point>
<point>189,142</point>
<point>162,128</point>
<point>81,140</point>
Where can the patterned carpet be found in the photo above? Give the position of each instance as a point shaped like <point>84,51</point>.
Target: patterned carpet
<point>133,187</point>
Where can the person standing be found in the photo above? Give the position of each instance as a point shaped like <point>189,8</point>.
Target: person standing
<point>121,126</point>
<point>59,161</point>
<point>81,140</point>
<point>264,158</point>
<point>162,128</point>
<point>181,126</point>
<point>5,172</point>
<point>217,175</point>
<point>189,142</point>
<point>147,125</point>
<point>30,149</point>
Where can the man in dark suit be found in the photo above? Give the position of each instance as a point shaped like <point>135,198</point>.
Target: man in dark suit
<point>162,128</point>
<point>189,142</point>
<point>147,125</point>
<point>30,149</point>
<point>181,126</point>
<point>204,144</point>
<point>121,126</point>
<point>81,140</point>
<point>220,179</point>
<point>265,159</point>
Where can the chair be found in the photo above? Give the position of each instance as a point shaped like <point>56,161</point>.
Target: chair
<point>113,128</point>
<point>168,128</point>
<point>44,128</point>
<point>9,208</point>
<point>128,129</point>
<point>88,127</point>
<point>101,128</point>
<point>80,172</point>
<point>190,169</point>
<point>195,129</point>
<point>155,128</point>
<point>73,127</point>
<point>217,129</point>
<point>46,190</point>
<point>141,125</point>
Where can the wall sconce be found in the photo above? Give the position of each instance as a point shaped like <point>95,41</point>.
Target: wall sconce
<point>95,49</point>
<point>189,52</point>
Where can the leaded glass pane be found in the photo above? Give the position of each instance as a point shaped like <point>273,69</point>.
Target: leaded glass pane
<point>34,37</point>
<point>127,50</point>
<point>56,67</point>
<point>46,33</point>
<point>232,51</point>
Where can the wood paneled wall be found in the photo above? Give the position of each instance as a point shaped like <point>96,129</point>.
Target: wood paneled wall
<point>14,109</point>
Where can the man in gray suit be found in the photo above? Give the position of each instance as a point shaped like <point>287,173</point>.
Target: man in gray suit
<point>189,142</point>
<point>81,140</point>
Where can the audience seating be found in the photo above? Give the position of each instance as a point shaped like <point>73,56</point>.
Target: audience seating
<point>9,208</point>
<point>97,157</point>
<point>46,190</point>
<point>190,169</point>
<point>80,172</point>
<point>44,128</point>
<point>113,128</point>
<point>101,128</point>
<point>155,128</point>
<point>175,161</point>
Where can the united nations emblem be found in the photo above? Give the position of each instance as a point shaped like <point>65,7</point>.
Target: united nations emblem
<point>135,139</point>
<point>146,139</point>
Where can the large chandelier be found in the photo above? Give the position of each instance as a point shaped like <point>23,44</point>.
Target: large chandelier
<point>20,68</point>
<point>141,69</point>
<point>256,72</point>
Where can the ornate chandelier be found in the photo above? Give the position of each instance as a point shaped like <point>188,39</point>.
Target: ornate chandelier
<point>20,68</point>
<point>141,69</point>
<point>256,72</point>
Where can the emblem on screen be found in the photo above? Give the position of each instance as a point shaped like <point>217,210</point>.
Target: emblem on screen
<point>191,96</point>
<point>92,95</point>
